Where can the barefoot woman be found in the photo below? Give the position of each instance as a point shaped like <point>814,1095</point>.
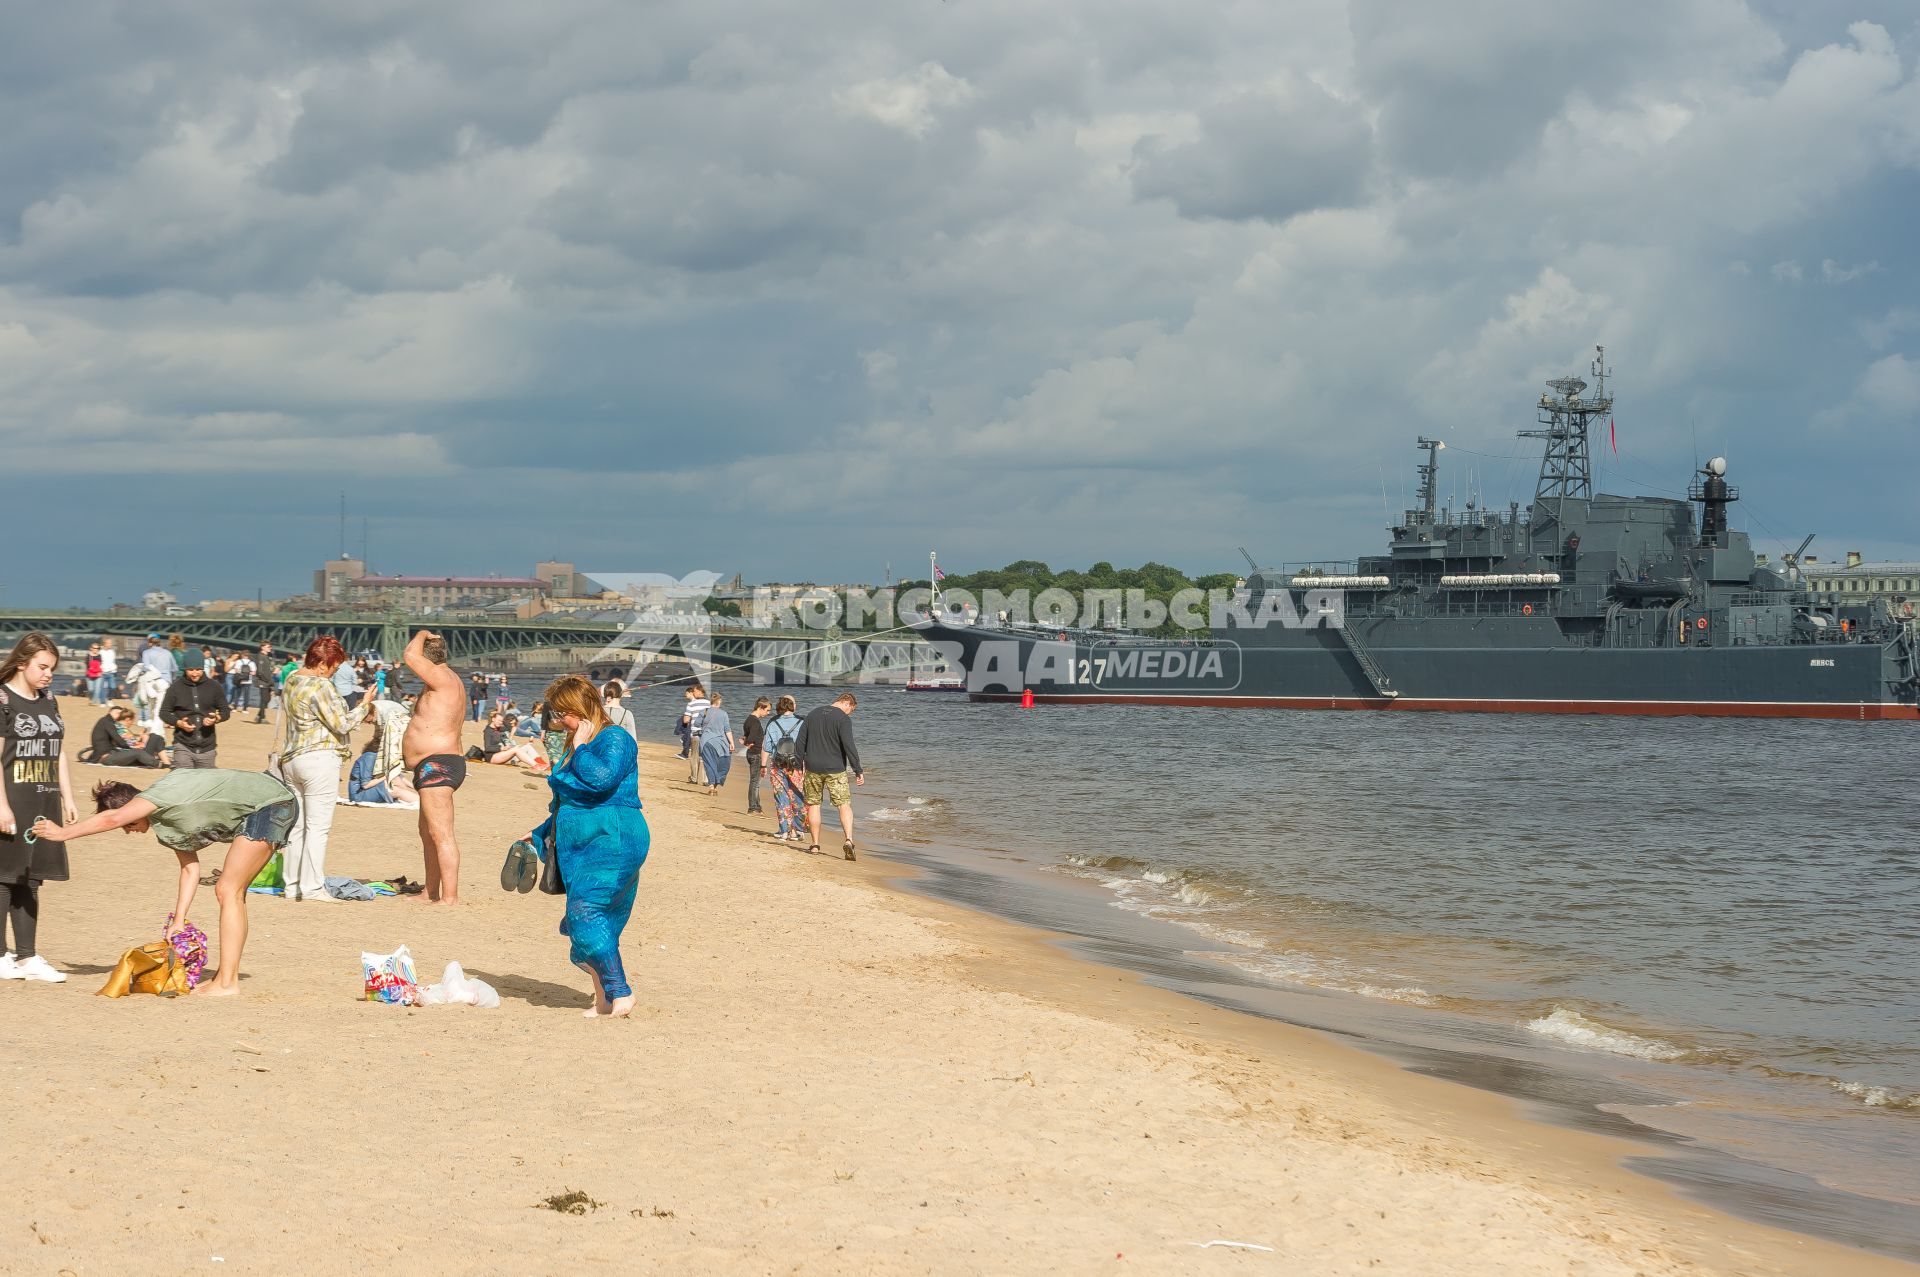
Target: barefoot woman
<point>188,810</point>
<point>599,836</point>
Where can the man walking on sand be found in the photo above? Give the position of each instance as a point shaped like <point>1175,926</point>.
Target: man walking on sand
<point>431,749</point>
<point>827,749</point>
<point>263,667</point>
<point>693,720</point>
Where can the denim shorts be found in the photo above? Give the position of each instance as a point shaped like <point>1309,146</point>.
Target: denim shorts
<point>272,825</point>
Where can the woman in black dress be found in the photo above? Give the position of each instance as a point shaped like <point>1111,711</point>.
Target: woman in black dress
<point>35,785</point>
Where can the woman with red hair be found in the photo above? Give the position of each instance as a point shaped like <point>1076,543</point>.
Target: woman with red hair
<point>318,726</point>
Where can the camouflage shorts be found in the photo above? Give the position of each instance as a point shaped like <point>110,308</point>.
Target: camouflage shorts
<point>836,785</point>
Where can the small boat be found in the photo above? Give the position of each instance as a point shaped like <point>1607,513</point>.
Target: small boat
<point>941,683</point>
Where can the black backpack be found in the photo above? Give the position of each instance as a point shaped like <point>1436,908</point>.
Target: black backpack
<point>786,754</point>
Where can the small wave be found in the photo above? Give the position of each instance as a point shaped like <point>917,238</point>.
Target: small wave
<point>1879,1097</point>
<point>1108,864</point>
<point>1298,968</point>
<point>1570,1028</point>
<point>915,808</point>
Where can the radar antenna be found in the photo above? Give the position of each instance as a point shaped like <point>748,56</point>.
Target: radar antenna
<point>1566,467</point>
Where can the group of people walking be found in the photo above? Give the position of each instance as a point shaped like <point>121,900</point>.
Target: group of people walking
<point>808,760</point>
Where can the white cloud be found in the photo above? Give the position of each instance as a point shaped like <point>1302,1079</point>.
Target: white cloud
<point>1834,273</point>
<point>908,102</point>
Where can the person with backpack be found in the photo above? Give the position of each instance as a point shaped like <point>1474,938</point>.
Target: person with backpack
<point>780,745</point>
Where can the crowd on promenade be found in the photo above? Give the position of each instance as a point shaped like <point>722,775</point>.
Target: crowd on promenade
<point>581,738</point>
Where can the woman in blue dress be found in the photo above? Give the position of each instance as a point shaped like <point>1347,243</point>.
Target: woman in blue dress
<point>599,837</point>
<point>716,745</point>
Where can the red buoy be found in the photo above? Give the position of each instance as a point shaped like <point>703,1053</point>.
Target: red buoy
<point>1026,699</point>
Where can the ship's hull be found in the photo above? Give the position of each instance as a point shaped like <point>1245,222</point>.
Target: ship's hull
<point>1514,665</point>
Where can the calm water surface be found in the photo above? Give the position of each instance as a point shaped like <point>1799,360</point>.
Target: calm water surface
<point>1721,917</point>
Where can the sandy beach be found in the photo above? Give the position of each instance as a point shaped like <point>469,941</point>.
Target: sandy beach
<point>823,1074</point>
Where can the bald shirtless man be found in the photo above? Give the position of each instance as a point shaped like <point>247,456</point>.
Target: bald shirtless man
<point>431,748</point>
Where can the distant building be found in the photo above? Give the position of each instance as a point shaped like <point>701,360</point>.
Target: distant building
<point>1857,581</point>
<point>438,593</point>
<point>332,583</point>
<point>157,600</point>
<point>346,583</point>
<point>563,582</point>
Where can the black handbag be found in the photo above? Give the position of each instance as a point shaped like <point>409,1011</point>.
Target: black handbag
<point>550,870</point>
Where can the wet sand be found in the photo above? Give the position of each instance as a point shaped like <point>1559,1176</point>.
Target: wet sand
<point>822,1075</point>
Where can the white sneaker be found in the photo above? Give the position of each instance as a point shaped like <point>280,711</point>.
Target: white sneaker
<point>9,969</point>
<point>36,968</point>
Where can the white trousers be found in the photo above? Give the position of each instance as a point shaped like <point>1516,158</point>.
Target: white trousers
<point>315,777</point>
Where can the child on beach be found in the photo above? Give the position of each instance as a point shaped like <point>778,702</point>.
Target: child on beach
<point>185,811</point>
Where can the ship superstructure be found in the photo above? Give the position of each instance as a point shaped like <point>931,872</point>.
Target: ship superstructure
<point>1579,602</point>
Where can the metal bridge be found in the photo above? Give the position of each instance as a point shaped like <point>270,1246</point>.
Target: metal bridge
<point>471,642</point>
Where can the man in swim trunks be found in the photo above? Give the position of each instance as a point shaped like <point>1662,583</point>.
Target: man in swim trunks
<point>431,748</point>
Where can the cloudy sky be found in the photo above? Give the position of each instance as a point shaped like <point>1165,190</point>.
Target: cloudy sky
<point>801,290</point>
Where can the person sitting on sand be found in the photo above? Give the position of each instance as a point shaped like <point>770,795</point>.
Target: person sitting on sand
<point>498,745</point>
<point>366,783</point>
<point>119,741</point>
<point>188,810</point>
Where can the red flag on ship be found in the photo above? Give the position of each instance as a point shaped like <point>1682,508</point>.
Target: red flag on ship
<point>1612,438</point>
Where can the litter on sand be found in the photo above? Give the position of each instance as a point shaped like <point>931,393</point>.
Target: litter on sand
<point>389,977</point>
<point>455,988</point>
<point>1233,1245</point>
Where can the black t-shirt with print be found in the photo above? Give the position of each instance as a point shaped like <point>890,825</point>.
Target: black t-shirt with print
<point>31,733</point>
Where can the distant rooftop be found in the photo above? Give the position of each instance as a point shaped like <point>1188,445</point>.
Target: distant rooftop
<point>496,582</point>
<point>1889,568</point>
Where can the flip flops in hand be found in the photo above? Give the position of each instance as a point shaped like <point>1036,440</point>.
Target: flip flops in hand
<point>522,867</point>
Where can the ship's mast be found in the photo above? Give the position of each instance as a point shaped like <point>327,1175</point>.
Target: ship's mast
<point>1428,472</point>
<point>1566,468</point>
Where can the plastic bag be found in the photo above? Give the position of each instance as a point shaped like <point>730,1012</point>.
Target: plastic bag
<point>390,978</point>
<point>272,874</point>
<point>455,987</point>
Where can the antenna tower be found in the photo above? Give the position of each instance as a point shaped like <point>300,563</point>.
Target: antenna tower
<point>1566,468</point>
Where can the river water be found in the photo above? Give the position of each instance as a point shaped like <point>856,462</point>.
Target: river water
<point>1704,932</point>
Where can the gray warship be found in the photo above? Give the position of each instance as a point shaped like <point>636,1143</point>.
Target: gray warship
<point>1578,603</point>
